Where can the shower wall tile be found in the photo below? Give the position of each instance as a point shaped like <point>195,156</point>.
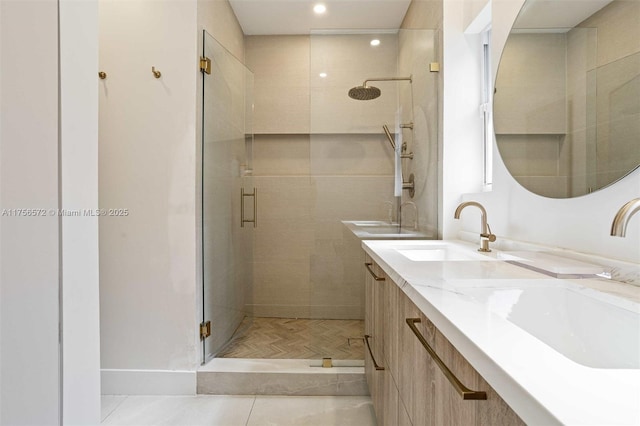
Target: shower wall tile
<point>618,26</point>
<point>281,282</point>
<point>551,186</point>
<point>283,241</point>
<point>531,155</point>
<point>417,50</point>
<point>351,198</point>
<point>278,155</point>
<point>351,154</point>
<point>348,60</point>
<point>423,14</point>
<point>350,115</point>
<point>303,266</point>
<point>283,198</point>
<point>281,74</point>
<point>306,263</point>
<point>531,91</point>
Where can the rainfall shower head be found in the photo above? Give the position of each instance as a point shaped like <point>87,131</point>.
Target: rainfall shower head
<point>366,92</point>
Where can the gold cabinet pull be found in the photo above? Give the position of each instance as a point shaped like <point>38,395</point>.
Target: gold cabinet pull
<point>375,364</point>
<point>375,277</point>
<point>462,390</point>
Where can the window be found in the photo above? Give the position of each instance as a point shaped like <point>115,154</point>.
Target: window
<point>487,108</point>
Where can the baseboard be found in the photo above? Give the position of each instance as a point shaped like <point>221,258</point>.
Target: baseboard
<point>148,382</point>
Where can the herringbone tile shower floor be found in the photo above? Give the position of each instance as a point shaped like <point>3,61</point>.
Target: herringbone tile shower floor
<point>283,338</point>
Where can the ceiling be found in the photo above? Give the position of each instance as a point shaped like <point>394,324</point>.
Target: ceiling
<point>542,14</point>
<point>262,17</point>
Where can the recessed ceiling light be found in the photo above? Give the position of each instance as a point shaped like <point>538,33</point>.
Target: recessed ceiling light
<point>319,8</point>
<point>375,42</point>
<point>323,74</point>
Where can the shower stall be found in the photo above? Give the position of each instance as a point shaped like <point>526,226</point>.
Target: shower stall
<point>289,155</point>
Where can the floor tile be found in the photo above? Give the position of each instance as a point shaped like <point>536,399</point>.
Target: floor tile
<point>287,338</point>
<point>109,404</point>
<point>312,411</point>
<point>182,410</point>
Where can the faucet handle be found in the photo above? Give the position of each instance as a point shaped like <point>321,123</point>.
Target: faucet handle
<point>490,236</point>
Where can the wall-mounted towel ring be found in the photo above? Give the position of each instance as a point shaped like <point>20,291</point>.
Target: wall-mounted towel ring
<point>102,75</point>
<point>156,74</point>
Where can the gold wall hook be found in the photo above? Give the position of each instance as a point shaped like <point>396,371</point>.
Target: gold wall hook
<point>102,75</point>
<point>156,74</point>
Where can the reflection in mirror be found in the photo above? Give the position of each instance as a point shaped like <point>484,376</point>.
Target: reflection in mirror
<point>567,101</point>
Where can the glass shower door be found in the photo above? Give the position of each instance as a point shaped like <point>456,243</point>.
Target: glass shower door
<point>226,152</point>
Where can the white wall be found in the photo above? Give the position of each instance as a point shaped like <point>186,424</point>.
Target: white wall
<point>79,190</point>
<point>48,144</point>
<point>581,224</point>
<point>462,119</point>
<point>29,251</point>
<point>147,164</point>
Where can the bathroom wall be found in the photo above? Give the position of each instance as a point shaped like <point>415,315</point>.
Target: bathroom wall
<point>147,164</point>
<point>581,224</point>
<point>318,158</point>
<point>48,264</point>
<point>79,234</point>
<point>462,121</point>
<point>150,263</point>
<point>30,253</point>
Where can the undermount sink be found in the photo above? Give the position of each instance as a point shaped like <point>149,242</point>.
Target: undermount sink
<point>592,330</point>
<point>439,253</point>
<point>552,265</point>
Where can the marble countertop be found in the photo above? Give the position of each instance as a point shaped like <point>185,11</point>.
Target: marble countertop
<point>540,384</point>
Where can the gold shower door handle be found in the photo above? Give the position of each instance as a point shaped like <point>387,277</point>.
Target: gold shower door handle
<point>254,194</point>
<point>462,390</point>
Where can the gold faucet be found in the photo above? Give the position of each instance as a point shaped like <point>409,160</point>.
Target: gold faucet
<point>619,225</point>
<point>485,236</point>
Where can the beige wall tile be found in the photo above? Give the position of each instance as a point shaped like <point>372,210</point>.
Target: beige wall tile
<point>351,154</point>
<point>218,18</point>
<point>550,186</point>
<point>283,283</point>
<point>618,26</point>
<point>281,69</point>
<point>423,14</point>
<point>530,86</point>
<point>417,50</point>
<point>531,155</point>
<point>281,155</point>
<point>348,60</point>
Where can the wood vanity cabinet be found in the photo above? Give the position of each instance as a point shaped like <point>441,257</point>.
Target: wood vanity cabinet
<point>412,389</point>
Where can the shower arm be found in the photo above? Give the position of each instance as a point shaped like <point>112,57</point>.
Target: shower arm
<point>388,79</point>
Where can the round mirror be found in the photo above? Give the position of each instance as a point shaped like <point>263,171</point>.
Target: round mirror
<point>567,100</point>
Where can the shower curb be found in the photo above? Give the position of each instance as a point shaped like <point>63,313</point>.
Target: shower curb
<point>228,376</point>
